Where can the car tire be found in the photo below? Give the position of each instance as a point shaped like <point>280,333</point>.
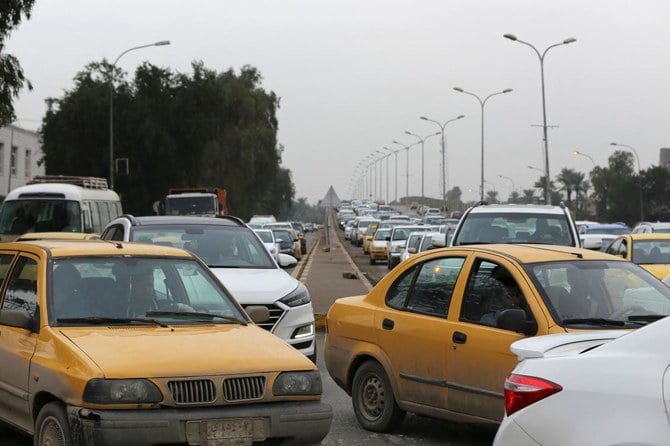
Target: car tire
<point>51,426</point>
<point>373,400</point>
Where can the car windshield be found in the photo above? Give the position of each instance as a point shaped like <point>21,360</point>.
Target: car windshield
<point>587,292</point>
<point>494,227</point>
<point>218,246</point>
<point>613,230</point>
<point>21,216</point>
<point>130,290</point>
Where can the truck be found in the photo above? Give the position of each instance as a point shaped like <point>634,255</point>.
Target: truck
<point>200,201</point>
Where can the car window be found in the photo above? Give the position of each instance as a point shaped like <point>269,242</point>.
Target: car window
<point>491,290</point>
<point>427,287</point>
<point>5,262</point>
<point>510,227</point>
<point>21,293</point>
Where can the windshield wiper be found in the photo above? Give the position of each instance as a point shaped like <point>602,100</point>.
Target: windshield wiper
<point>108,320</point>
<point>595,321</point>
<point>646,317</point>
<point>196,314</point>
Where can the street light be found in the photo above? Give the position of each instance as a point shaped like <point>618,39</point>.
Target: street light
<point>395,152</point>
<point>639,170</point>
<point>510,180</point>
<point>482,103</point>
<point>111,106</point>
<point>547,195</point>
<point>577,152</point>
<point>421,140</point>
<point>406,165</point>
<point>444,155</point>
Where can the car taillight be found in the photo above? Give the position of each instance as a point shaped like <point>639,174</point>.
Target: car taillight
<point>522,391</point>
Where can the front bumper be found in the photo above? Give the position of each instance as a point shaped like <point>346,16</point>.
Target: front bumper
<point>300,422</point>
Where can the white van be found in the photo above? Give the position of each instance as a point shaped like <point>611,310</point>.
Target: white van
<point>56,203</point>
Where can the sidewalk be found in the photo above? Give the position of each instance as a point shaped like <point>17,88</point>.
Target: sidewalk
<point>323,275</point>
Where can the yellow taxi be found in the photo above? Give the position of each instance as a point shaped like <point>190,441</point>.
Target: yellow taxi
<point>433,336</point>
<point>110,343</point>
<point>649,250</point>
<point>30,236</point>
<point>369,235</point>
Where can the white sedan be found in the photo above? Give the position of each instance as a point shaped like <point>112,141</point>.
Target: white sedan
<point>595,388</point>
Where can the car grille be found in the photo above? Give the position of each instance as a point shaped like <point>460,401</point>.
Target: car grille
<point>275,314</point>
<point>192,391</point>
<point>244,388</point>
<point>200,391</point>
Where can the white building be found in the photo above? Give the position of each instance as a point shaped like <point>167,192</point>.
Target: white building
<point>20,151</point>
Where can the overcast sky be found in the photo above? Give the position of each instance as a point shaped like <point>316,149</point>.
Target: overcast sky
<point>354,75</point>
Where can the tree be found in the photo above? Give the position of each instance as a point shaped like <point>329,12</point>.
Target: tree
<point>12,78</point>
<point>570,182</point>
<point>176,130</point>
<point>615,189</point>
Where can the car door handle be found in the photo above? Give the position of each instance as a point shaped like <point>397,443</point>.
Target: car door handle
<point>388,324</point>
<point>459,338</point>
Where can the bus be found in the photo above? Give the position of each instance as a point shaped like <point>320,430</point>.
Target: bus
<point>57,203</point>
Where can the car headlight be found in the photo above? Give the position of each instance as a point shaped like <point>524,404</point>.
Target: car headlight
<point>119,391</point>
<point>299,296</point>
<point>298,383</point>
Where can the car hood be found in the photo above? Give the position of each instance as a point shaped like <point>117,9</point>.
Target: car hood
<point>256,286</point>
<point>562,344</point>
<point>147,351</point>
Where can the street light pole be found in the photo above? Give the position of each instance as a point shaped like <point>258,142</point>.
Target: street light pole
<point>482,103</point>
<point>547,194</point>
<point>577,152</point>
<point>639,174</point>
<point>422,141</point>
<point>510,180</point>
<point>406,165</point>
<point>395,153</point>
<point>444,154</point>
<point>111,106</point>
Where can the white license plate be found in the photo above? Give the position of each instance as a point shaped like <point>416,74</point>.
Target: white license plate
<point>233,432</point>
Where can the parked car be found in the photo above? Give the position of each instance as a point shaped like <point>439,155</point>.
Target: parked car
<point>649,250</point>
<point>129,343</point>
<point>287,242</point>
<point>396,240</point>
<point>298,237</point>
<point>368,235</point>
<point>239,259</point>
<point>377,249</point>
<point>516,223</point>
<point>590,388</point>
<point>433,336</point>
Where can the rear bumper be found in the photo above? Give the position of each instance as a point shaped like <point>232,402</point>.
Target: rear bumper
<point>304,422</point>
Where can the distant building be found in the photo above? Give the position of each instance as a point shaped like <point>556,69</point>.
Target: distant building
<point>664,159</point>
<point>20,152</point>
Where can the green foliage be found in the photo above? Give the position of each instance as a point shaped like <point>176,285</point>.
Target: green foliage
<point>12,78</point>
<point>615,189</point>
<point>205,129</point>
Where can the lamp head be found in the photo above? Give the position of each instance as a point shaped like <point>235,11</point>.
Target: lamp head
<point>408,132</point>
<point>509,36</point>
<point>613,144</point>
<point>575,152</point>
<point>569,40</point>
<point>162,42</point>
<point>507,90</point>
<point>423,117</point>
<point>460,117</point>
<point>459,89</point>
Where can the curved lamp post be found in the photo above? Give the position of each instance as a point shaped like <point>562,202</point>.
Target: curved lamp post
<point>639,170</point>
<point>406,147</point>
<point>510,180</point>
<point>395,153</point>
<point>482,102</point>
<point>547,194</point>
<point>422,141</point>
<point>111,106</point>
<point>577,152</point>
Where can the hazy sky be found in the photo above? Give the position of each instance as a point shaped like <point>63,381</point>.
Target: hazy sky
<point>354,75</point>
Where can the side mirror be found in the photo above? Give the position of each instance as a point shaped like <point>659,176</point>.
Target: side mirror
<point>287,261</point>
<point>515,320</point>
<point>594,243</point>
<point>258,313</point>
<point>411,250</point>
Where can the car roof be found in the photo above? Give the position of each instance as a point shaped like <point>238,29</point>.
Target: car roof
<point>73,248</point>
<point>152,220</point>
<point>537,253</point>
<point>649,236</point>
<point>521,208</point>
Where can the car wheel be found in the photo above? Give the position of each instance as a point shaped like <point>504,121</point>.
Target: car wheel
<point>373,400</point>
<point>51,426</point>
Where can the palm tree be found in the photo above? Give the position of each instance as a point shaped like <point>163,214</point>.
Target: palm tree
<point>570,179</point>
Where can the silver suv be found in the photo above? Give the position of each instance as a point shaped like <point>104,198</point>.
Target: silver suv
<point>516,223</point>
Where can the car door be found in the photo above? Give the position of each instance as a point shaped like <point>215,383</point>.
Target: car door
<point>17,343</point>
<point>411,329</point>
<point>479,357</point>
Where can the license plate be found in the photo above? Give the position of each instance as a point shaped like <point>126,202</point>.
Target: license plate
<point>233,432</point>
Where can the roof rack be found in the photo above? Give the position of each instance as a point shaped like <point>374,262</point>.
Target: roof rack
<point>88,182</point>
